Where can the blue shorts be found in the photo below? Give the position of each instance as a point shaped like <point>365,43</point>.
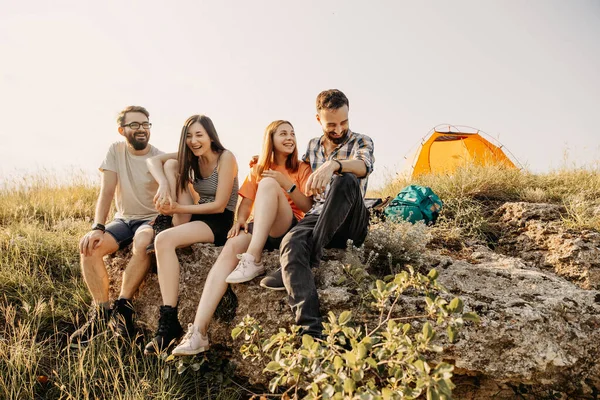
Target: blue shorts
<point>123,230</point>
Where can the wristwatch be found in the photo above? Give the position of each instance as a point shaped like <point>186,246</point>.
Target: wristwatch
<point>290,190</point>
<point>98,227</point>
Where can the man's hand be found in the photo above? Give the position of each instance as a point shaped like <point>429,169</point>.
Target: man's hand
<point>90,242</point>
<point>318,180</point>
<point>283,181</point>
<point>236,228</point>
<point>162,197</point>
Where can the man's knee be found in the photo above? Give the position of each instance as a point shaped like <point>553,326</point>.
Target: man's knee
<point>108,246</point>
<point>141,240</point>
<point>346,179</point>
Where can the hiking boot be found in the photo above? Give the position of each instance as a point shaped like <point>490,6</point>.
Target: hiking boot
<point>160,223</point>
<point>121,321</point>
<point>95,325</point>
<point>273,281</point>
<point>169,330</point>
<point>246,269</point>
<point>193,342</point>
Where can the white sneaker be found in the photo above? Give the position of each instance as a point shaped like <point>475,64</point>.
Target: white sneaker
<point>193,343</point>
<point>246,269</point>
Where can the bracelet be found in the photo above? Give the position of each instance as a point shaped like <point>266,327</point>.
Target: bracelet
<point>339,170</point>
<point>98,227</point>
<point>290,190</point>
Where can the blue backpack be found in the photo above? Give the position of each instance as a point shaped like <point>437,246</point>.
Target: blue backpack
<point>414,203</point>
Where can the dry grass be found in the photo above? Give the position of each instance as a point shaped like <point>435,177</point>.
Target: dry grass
<point>43,298</point>
<point>471,194</point>
<point>42,295</point>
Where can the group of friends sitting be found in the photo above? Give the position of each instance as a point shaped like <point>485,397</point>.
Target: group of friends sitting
<point>168,201</point>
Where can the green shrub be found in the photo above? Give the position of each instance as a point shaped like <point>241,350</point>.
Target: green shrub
<point>392,360</point>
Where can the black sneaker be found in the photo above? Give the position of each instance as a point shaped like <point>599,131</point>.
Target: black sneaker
<point>169,330</point>
<point>160,223</point>
<point>95,325</point>
<point>273,281</point>
<point>121,321</point>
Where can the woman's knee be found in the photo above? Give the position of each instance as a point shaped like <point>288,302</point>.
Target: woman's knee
<point>236,245</point>
<point>268,184</point>
<point>165,240</point>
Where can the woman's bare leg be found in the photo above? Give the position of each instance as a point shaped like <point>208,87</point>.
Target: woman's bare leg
<point>272,216</point>
<point>215,285</point>
<point>166,257</point>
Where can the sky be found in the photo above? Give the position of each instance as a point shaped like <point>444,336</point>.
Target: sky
<point>526,73</point>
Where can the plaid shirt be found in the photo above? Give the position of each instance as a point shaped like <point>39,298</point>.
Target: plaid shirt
<point>355,147</point>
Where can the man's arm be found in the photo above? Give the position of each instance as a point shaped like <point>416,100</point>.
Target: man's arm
<point>107,191</point>
<point>361,165</point>
<point>94,238</point>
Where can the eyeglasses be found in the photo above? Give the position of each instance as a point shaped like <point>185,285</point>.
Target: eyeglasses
<point>136,125</point>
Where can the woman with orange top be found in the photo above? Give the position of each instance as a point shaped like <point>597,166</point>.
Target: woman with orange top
<point>274,188</point>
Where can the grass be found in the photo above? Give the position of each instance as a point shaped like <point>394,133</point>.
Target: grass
<point>471,194</point>
<point>43,297</point>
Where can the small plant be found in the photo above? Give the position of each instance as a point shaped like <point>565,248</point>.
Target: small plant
<point>396,244</point>
<point>392,360</point>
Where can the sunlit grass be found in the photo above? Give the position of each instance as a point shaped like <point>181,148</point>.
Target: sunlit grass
<point>43,297</point>
<point>470,195</point>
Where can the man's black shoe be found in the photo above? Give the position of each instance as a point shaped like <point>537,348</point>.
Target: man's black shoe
<point>169,330</point>
<point>160,223</point>
<point>273,281</point>
<point>95,325</point>
<point>121,321</point>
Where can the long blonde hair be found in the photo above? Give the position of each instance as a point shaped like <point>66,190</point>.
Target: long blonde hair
<point>267,155</point>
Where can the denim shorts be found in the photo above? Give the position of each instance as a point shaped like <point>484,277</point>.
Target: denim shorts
<point>123,230</point>
<point>273,243</point>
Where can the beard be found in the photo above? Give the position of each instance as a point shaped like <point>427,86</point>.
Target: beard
<point>339,140</point>
<point>136,144</point>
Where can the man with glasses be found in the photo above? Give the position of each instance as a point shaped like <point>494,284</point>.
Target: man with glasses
<point>125,177</point>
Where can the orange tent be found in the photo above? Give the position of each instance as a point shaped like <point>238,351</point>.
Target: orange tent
<point>444,151</point>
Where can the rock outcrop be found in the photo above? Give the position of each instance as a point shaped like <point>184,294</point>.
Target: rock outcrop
<point>536,234</point>
<point>540,314</point>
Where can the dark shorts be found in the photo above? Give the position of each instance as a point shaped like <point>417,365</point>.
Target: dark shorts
<point>123,230</point>
<point>219,224</point>
<point>273,243</point>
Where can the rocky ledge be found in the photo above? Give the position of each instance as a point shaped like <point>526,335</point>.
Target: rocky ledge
<point>536,295</point>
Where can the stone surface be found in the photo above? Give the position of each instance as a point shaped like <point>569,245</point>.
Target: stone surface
<point>535,233</point>
<point>540,328</point>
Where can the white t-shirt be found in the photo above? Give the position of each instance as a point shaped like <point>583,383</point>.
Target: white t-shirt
<point>136,187</point>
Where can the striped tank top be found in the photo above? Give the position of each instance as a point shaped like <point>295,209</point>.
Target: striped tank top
<point>207,189</point>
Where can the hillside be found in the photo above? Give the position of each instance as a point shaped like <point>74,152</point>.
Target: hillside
<point>520,249</point>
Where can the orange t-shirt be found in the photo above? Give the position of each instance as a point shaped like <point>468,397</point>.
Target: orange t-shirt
<point>299,178</point>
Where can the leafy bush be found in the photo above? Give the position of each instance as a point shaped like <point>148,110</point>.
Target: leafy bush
<point>392,360</point>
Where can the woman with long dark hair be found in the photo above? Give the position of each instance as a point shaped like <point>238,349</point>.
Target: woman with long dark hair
<point>203,164</point>
<point>274,187</point>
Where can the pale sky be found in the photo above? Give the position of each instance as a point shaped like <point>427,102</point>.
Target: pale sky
<point>525,72</point>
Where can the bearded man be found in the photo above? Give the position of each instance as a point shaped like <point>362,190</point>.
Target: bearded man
<point>125,176</point>
<point>341,161</point>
